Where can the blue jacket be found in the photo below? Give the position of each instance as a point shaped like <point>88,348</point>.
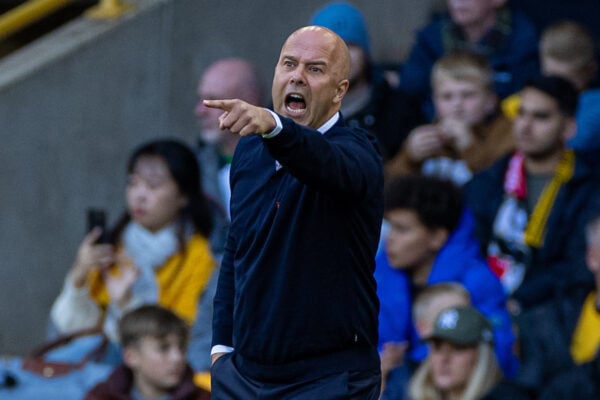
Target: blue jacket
<point>458,261</point>
<point>511,50</point>
<point>587,137</point>
<point>561,259</point>
<point>296,293</point>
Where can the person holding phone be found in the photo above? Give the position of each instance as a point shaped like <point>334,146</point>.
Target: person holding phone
<point>158,253</point>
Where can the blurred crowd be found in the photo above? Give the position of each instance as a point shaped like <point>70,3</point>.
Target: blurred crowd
<point>489,259</point>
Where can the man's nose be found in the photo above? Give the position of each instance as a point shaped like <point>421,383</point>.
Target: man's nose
<point>297,77</point>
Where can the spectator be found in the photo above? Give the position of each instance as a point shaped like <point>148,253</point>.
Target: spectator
<point>461,363</point>
<point>371,103</point>
<point>430,241</point>
<point>226,78</point>
<point>567,50</point>
<point>470,133</point>
<point>505,36</point>
<point>153,340</point>
<point>296,304</point>
<point>564,333</point>
<point>159,251</point>
<point>426,307</point>
<point>530,206</point>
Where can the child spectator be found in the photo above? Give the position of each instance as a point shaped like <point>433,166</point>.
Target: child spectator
<point>153,341</point>
<point>461,363</point>
<point>505,36</point>
<point>430,240</point>
<point>470,133</point>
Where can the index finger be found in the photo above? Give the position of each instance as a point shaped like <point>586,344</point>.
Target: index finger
<point>225,105</point>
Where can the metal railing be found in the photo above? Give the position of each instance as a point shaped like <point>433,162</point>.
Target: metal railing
<point>32,11</point>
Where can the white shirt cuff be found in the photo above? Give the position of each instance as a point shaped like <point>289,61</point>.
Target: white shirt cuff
<point>278,126</point>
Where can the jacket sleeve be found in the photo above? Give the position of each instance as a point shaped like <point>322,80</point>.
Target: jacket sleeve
<point>200,334</point>
<point>222,326</point>
<point>74,309</point>
<point>344,161</point>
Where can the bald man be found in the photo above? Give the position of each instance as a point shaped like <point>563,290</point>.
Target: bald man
<point>296,306</point>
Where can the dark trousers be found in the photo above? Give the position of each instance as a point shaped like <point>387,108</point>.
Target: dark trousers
<point>229,384</point>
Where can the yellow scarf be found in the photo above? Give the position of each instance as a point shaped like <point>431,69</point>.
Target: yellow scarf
<point>181,280</point>
<point>536,227</point>
<point>586,338</point>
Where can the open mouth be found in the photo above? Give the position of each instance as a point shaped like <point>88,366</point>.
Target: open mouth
<point>295,104</point>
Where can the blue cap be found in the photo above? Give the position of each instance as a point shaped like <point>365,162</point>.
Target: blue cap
<point>345,20</point>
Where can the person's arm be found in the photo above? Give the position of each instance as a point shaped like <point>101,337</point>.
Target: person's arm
<point>222,322</point>
<point>342,161</point>
<point>199,348</point>
<point>74,309</point>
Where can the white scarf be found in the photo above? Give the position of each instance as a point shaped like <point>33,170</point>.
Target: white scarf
<point>148,251</point>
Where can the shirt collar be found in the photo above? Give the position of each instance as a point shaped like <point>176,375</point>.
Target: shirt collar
<point>330,122</point>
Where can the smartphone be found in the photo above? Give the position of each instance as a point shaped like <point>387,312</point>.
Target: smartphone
<point>96,217</point>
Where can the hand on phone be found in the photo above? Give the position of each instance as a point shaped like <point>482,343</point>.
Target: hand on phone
<point>97,218</point>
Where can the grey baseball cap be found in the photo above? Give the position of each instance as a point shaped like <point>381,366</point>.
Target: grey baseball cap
<point>463,325</point>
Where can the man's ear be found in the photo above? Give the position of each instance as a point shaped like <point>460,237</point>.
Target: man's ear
<point>438,238</point>
<point>131,356</point>
<point>341,91</point>
<point>570,128</point>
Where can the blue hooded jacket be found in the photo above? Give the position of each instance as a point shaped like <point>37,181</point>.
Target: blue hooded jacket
<point>459,261</point>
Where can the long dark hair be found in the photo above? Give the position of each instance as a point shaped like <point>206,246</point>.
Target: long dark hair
<point>185,170</point>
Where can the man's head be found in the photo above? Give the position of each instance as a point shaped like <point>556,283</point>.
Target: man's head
<point>462,85</point>
<point>421,211</point>
<point>546,117</point>
<point>311,76</point>
<point>154,341</point>
<point>467,13</point>
<point>229,78</point>
<point>348,22</point>
<point>432,300</point>
<point>567,50</point>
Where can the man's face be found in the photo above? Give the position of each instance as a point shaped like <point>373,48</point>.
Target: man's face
<point>309,80</point>
<point>578,76</point>
<point>472,12</point>
<point>157,363</point>
<point>462,100</point>
<point>540,129</point>
<point>409,242</point>
<point>213,86</point>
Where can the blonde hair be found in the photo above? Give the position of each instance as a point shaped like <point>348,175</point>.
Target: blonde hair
<point>423,301</point>
<point>568,41</point>
<point>485,375</point>
<point>463,66</point>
